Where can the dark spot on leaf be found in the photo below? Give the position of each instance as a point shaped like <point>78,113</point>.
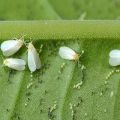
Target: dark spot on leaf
<point>28,93</point>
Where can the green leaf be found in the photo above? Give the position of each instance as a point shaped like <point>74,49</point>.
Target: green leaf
<point>32,96</point>
<point>94,9</point>
<point>56,9</point>
<point>26,96</point>
<point>61,29</point>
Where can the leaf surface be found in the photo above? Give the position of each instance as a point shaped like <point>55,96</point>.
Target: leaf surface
<point>26,96</point>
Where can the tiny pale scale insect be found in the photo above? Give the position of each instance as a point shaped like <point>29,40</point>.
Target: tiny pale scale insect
<point>68,53</point>
<point>10,47</point>
<point>33,58</point>
<point>114,57</point>
<point>14,63</point>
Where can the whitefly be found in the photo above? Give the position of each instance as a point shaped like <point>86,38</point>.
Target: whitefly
<point>114,57</point>
<point>68,53</point>
<point>34,62</point>
<point>15,63</point>
<point>10,47</point>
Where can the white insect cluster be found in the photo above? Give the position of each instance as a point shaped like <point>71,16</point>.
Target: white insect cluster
<point>114,57</point>
<point>68,53</point>
<point>10,47</point>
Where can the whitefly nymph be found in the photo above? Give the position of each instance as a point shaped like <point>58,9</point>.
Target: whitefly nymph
<point>114,57</point>
<point>33,58</point>
<point>68,53</point>
<point>10,47</point>
<point>14,63</point>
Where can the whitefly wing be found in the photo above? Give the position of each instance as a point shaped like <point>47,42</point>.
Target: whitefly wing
<point>10,47</point>
<point>17,64</point>
<point>33,58</point>
<point>67,53</point>
<point>114,57</point>
<point>31,61</point>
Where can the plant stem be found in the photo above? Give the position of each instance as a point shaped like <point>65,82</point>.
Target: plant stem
<point>60,29</point>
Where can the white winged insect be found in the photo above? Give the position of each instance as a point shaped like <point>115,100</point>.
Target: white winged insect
<point>68,53</point>
<point>114,57</point>
<point>33,58</point>
<point>10,47</point>
<point>14,63</point>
